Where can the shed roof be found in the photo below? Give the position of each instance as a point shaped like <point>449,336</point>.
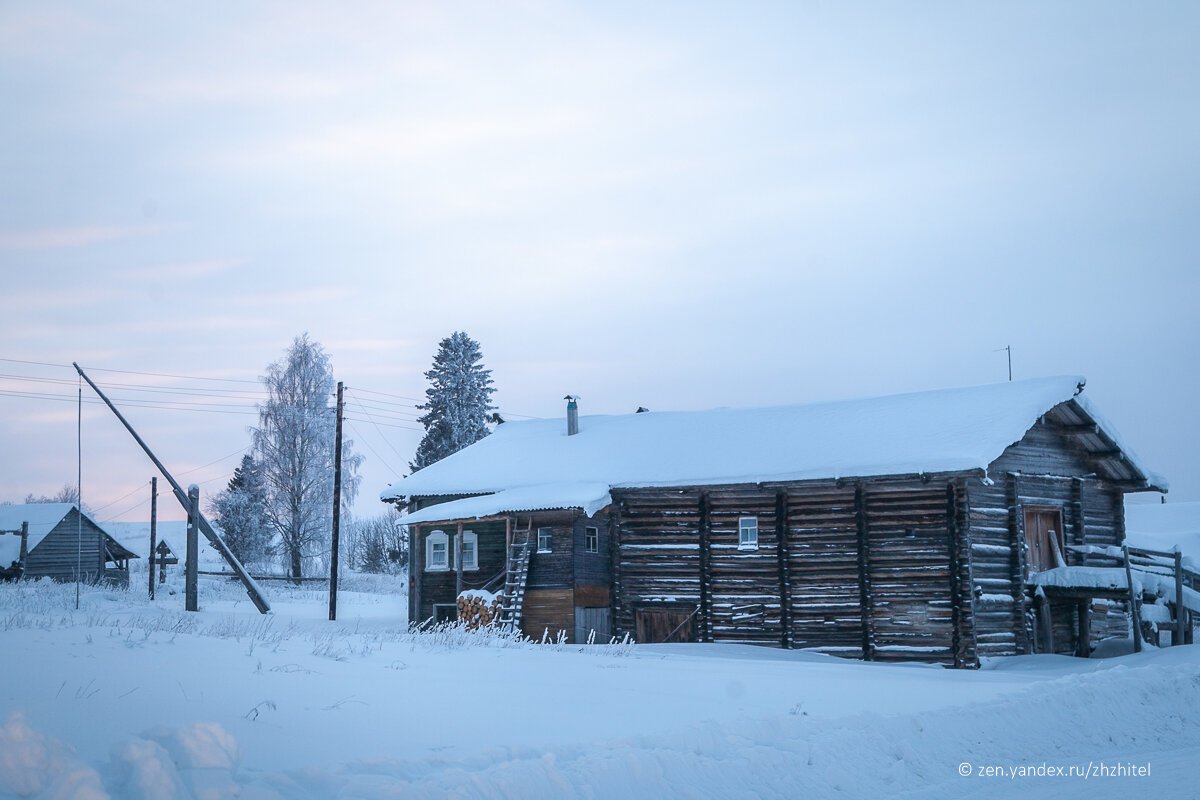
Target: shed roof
<point>42,518</point>
<point>535,464</point>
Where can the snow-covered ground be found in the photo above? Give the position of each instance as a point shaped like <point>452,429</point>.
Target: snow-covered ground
<point>126,698</point>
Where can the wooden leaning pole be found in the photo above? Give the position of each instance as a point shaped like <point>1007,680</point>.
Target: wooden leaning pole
<point>252,588</point>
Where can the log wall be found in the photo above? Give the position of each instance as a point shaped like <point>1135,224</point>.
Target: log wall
<point>873,570</point>
<point>826,601</point>
<point>656,552</point>
<point>1044,468</point>
<point>430,587</point>
<point>62,550</point>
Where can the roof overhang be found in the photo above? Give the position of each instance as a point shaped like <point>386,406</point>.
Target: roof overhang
<point>1100,442</point>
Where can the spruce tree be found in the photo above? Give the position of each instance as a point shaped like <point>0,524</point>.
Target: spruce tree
<point>242,515</point>
<point>457,401</point>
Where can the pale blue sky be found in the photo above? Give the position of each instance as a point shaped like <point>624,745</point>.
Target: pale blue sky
<point>669,205</point>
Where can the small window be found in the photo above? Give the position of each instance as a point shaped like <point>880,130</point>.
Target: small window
<point>437,551</point>
<point>591,540</point>
<point>470,550</point>
<point>544,536</point>
<point>747,533</point>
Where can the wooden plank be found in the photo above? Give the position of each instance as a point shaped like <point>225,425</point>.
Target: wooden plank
<point>1181,612</point>
<point>705,615</point>
<point>1135,602</point>
<point>783,561</point>
<point>1016,534</point>
<point>955,565</point>
<point>864,576</point>
<point>1084,611</point>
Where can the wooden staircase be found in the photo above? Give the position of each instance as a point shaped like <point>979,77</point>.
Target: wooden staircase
<point>514,585</point>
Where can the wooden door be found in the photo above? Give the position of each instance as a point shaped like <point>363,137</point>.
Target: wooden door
<point>588,619</point>
<point>657,625</point>
<point>1044,538</point>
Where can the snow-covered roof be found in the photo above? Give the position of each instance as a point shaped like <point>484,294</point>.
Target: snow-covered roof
<point>535,464</point>
<point>42,518</point>
<point>591,497</point>
<point>1113,579</point>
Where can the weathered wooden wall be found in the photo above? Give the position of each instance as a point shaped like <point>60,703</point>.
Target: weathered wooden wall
<point>656,552</point>
<point>1044,468</point>
<point>592,569</point>
<point>874,570</point>
<point>826,596</point>
<point>548,612</point>
<point>746,601</point>
<point>430,587</point>
<point>556,569</point>
<point>57,555</point>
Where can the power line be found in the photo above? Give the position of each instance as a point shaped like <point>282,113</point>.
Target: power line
<point>238,452</point>
<point>385,439</point>
<point>193,391</point>
<point>130,403</point>
<point>374,452</point>
<point>131,508</point>
<point>134,372</point>
<point>119,499</point>
<point>397,396</point>
<point>388,424</point>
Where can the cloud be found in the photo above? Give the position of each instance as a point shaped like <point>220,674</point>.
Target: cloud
<point>371,345</point>
<point>417,140</point>
<point>81,236</point>
<point>191,324</point>
<point>189,269</point>
<point>310,296</point>
<point>239,88</point>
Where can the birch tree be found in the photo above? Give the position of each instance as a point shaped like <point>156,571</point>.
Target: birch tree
<point>294,449</point>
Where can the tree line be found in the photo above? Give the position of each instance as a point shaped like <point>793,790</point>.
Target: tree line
<point>277,508</point>
<point>279,502</point>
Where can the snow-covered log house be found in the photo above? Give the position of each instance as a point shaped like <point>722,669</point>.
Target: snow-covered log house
<point>54,540</point>
<point>909,527</point>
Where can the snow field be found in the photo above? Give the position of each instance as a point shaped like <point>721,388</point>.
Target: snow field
<point>130,699</point>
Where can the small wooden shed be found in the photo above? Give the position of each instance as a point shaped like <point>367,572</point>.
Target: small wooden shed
<point>61,543</point>
<point>910,527</point>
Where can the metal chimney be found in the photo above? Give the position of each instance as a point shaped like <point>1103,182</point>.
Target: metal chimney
<point>572,416</point>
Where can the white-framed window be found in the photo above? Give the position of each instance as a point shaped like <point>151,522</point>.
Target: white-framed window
<point>437,551</point>
<point>470,550</point>
<point>591,540</point>
<point>747,533</point>
<point>545,535</point>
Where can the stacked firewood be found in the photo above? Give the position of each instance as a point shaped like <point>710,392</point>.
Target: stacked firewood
<point>478,610</point>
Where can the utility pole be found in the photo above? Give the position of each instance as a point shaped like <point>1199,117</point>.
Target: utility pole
<point>79,496</point>
<point>1008,349</point>
<point>252,589</point>
<point>192,571</point>
<point>337,507</point>
<point>153,528</point>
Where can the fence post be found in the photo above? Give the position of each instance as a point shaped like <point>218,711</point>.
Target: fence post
<point>191,577</point>
<point>1181,612</point>
<point>1135,600</point>
<point>153,529</point>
